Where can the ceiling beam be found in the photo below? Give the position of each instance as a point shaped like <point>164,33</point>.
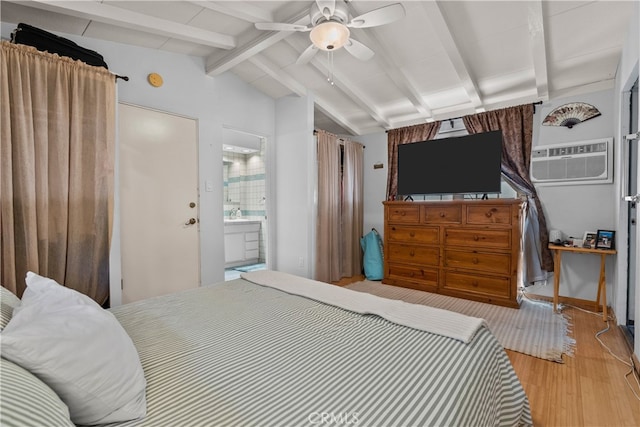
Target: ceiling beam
<point>441,28</point>
<point>535,19</point>
<point>284,78</point>
<point>342,82</point>
<point>386,59</point>
<point>329,110</point>
<point>346,86</point>
<point>124,18</point>
<point>278,74</point>
<point>255,41</point>
<point>218,65</point>
<point>241,10</point>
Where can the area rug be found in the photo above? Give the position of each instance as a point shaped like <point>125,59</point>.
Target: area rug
<point>252,267</point>
<point>534,329</point>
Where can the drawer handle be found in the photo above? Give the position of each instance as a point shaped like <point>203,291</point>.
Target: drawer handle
<point>441,214</point>
<point>412,274</point>
<point>412,253</point>
<point>412,234</point>
<point>393,228</point>
<point>476,238</point>
<point>475,260</point>
<point>488,214</point>
<point>474,283</point>
<point>403,213</point>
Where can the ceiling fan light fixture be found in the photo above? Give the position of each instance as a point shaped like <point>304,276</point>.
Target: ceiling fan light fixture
<point>329,35</point>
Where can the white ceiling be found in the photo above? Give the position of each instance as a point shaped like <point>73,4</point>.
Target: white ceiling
<point>444,59</point>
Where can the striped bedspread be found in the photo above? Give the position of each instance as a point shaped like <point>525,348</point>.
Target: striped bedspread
<point>241,354</point>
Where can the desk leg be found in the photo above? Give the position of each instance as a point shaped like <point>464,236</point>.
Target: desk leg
<point>556,279</point>
<point>602,289</point>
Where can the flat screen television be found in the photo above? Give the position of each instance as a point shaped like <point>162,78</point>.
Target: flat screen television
<point>460,165</point>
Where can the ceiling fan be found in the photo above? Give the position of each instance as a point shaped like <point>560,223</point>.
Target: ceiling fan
<point>329,27</point>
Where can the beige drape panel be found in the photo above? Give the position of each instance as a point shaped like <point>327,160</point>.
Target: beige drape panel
<point>405,135</point>
<point>516,124</point>
<point>328,246</point>
<point>56,170</point>
<point>340,208</point>
<point>352,207</point>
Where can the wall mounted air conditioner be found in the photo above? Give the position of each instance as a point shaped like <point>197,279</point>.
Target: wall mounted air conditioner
<point>573,163</point>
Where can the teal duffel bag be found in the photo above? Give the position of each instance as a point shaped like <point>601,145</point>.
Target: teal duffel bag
<point>372,261</point>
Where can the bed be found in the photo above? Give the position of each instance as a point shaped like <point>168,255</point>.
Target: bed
<point>264,350</point>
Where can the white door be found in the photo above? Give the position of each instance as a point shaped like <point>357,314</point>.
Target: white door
<point>633,190</point>
<point>159,203</point>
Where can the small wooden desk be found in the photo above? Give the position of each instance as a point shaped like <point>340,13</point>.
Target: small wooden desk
<point>602,283</point>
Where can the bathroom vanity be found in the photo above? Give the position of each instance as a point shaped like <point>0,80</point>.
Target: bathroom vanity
<point>241,242</point>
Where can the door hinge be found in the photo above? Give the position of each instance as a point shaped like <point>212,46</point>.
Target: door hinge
<point>632,199</point>
<point>632,136</point>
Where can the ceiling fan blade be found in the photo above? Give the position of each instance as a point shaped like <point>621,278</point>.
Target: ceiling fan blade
<point>276,26</point>
<point>358,50</point>
<point>380,16</point>
<point>327,7</point>
<point>307,55</point>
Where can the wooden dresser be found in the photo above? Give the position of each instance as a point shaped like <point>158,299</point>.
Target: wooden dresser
<point>463,248</point>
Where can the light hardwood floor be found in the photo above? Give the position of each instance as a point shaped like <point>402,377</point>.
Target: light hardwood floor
<point>588,389</point>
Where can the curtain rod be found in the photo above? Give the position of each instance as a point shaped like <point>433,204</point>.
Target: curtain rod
<point>533,104</point>
<point>315,132</point>
<point>456,118</point>
<point>125,78</point>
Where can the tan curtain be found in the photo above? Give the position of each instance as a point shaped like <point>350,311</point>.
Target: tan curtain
<point>328,247</point>
<point>352,207</point>
<point>516,124</point>
<point>405,135</point>
<point>56,170</point>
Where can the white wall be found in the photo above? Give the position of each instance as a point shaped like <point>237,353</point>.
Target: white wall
<point>375,180</point>
<point>296,172</point>
<point>574,209</point>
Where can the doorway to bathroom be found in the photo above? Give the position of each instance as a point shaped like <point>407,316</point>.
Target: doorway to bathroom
<point>246,201</point>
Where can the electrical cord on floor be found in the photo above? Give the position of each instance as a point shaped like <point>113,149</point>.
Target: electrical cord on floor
<point>630,364</point>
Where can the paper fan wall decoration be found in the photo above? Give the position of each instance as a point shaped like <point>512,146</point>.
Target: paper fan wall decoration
<point>571,114</point>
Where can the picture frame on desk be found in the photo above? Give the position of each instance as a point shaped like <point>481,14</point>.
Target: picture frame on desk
<point>605,239</point>
<point>589,239</point>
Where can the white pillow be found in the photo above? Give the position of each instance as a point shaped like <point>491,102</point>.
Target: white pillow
<point>79,350</point>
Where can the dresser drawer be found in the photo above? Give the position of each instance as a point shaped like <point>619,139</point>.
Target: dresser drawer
<point>426,255</point>
<point>451,214</point>
<point>462,248</point>
<point>485,285</point>
<point>481,261</point>
<point>401,272</point>
<point>409,234</point>
<point>404,214</point>
<point>476,237</point>
<point>495,214</point>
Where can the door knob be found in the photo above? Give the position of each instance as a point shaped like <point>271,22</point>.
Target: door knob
<point>191,221</point>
